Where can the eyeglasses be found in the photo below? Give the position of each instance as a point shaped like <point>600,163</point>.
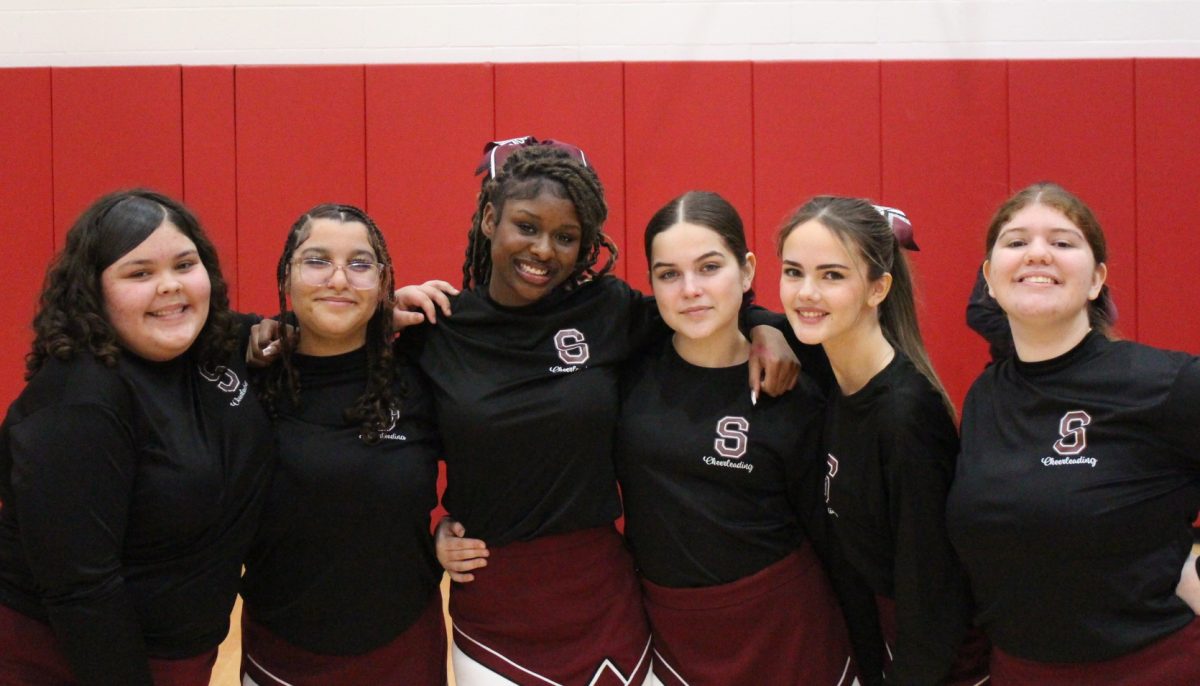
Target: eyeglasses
<point>360,274</point>
<point>496,153</point>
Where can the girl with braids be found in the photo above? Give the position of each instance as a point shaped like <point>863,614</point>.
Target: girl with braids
<point>341,585</point>
<point>890,441</point>
<point>133,465</point>
<point>721,494</point>
<point>1079,474</point>
<point>524,374</point>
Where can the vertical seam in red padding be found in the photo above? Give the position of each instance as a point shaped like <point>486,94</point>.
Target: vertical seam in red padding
<point>624,169</point>
<point>237,195</point>
<point>879,127</point>
<point>53,199</point>
<point>366,148</point>
<point>182,141</point>
<point>1137,229</point>
<point>1008,184</point>
<point>753,218</point>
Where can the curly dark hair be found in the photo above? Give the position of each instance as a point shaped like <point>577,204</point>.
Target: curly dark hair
<point>70,317</point>
<point>373,409</point>
<point>526,173</point>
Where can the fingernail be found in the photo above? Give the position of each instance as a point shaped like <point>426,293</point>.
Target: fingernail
<point>271,349</point>
<point>753,397</point>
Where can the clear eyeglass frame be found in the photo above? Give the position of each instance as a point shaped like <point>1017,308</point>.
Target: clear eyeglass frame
<point>360,274</point>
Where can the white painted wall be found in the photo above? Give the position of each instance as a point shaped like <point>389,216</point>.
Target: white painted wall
<point>129,32</point>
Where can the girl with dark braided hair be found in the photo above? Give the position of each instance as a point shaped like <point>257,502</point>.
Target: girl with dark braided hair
<point>133,464</point>
<point>341,584</point>
<point>524,374</point>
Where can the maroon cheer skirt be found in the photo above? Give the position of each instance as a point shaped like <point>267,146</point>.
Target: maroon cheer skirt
<point>30,656</point>
<point>1170,661</point>
<point>417,657</point>
<point>562,609</point>
<point>781,625</point>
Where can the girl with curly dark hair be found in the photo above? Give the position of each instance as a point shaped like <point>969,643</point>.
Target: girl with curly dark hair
<point>133,464</point>
<point>341,584</point>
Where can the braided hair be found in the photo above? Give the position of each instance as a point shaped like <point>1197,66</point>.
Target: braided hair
<point>280,384</point>
<point>526,174</point>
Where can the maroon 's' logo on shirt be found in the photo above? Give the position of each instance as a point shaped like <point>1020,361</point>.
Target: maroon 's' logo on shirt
<point>572,348</point>
<point>731,437</point>
<point>1073,439</point>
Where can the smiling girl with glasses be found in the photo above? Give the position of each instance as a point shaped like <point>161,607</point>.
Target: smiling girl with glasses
<point>341,585</point>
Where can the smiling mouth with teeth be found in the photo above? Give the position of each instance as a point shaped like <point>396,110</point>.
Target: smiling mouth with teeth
<point>1037,279</point>
<point>533,270</point>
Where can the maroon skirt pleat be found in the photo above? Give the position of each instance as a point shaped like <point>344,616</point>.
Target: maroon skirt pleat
<point>417,657</point>
<point>562,609</point>
<point>781,625</point>
<point>30,656</point>
<point>1170,661</point>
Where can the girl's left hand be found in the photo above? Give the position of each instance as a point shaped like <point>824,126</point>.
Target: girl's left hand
<point>420,302</point>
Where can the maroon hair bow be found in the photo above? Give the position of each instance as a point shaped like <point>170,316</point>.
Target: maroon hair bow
<point>496,153</point>
<point>901,227</point>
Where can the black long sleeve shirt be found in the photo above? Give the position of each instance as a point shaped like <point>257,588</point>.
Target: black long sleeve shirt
<point>710,481</point>
<point>343,562</point>
<point>890,449</point>
<point>130,495</point>
<point>1071,508</point>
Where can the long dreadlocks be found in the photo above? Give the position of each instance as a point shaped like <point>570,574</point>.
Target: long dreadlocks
<point>526,173</point>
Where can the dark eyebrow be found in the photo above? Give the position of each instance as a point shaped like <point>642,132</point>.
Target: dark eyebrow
<point>832,265</point>
<point>705,256</point>
<point>1074,231</point>
<point>535,215</point>
<point>181,254</point>
<point>318,251</point>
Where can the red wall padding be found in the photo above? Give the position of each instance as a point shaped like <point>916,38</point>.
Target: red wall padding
<point>944,154</point>
<point>301,141</point>
<point>688,126</point>
<point>114,127</point>
<point>1073,121</point>
<point>27,194</point>
<point>250,148</point>
<point>816,131</point>
<point>425,127</point>
<point>1168,202</point>
<point>209,158</point>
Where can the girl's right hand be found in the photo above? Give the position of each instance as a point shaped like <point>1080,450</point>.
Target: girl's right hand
<point>458,555</point>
